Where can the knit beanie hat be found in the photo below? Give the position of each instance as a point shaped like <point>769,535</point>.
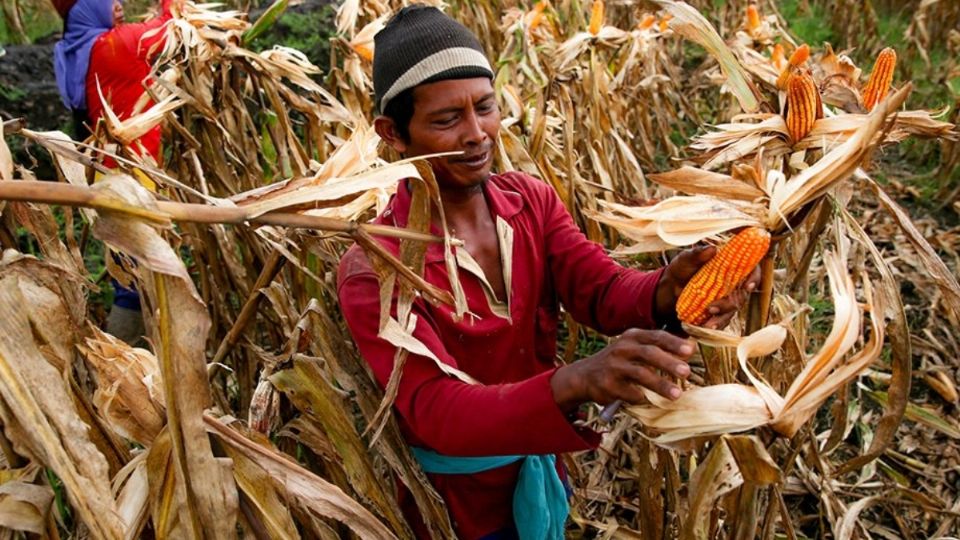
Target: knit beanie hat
<point>419,45</point>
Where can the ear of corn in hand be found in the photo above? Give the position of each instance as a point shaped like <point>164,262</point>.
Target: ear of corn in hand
<point>722,274</point>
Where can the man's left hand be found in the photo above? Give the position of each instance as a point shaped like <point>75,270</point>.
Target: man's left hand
<point>680,270</point>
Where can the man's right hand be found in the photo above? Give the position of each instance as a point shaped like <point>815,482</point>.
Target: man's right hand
<point>638,358</point>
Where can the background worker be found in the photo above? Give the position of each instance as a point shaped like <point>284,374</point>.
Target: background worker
<point>99,49</point>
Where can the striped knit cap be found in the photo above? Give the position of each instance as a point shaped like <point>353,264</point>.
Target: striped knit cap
<point>422,45</point>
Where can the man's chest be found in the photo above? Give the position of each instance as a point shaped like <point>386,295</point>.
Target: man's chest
<point>508,311</point>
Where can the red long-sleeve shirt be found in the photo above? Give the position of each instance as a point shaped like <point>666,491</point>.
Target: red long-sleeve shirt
<point>120,60</point>
<point>513,410</point>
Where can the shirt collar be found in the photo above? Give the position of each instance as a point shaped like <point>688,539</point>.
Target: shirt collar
<point>503,202</point>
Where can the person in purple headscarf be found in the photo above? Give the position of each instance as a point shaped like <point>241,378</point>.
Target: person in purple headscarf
<point>100,54</point>
<point>99,50</point>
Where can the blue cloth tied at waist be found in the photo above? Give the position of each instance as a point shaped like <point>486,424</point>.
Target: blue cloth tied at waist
<point>540,505</point>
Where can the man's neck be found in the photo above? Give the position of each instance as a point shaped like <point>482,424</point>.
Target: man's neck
<point>463,206</point>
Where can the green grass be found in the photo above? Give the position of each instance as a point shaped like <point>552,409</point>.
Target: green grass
<point>8,93</point>
<point>39,20</point>
<point>809,26</point>
<point>308,32</point>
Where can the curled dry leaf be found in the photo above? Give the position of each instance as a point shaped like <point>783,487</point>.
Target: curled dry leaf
<point>24,506</point>
<point>303,488</point>
<point>128,395</point>
<point>678,221</point>
<point>696,181</point>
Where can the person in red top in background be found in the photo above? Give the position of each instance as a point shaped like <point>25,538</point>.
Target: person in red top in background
<point>98,48</point>
<point>484,444</point>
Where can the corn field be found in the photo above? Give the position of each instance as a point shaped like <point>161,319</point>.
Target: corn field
<point>828,408</point>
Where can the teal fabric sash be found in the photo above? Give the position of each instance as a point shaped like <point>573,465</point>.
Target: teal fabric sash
<point>540,505</point>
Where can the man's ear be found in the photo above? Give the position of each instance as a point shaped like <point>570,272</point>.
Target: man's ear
<point>387,130</point>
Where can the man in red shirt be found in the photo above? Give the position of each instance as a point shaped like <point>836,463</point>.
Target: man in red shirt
<point>482,442</point>
<point>99,49</point>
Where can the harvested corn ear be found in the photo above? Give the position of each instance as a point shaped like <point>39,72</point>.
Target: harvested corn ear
<point>880,78</point>
<point>803,106</point>
<point>722,274</point>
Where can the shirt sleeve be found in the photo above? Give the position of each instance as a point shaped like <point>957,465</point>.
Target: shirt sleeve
<point>445,414</point>
<point>596,290</point>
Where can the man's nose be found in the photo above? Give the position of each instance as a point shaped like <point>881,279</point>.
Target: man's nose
<point>473,130</point>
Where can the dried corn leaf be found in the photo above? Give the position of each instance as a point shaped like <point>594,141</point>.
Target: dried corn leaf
<point>132,489</point>
<point>678,221</point>
<point>36,398</point>
<point>844,333</point>
<point>179,332</point>
<point>24,506</point>
<point>383,178</point>
<point>715,477</point>
<point>303,488</point>
<point>268,505</point>
<point>688,22</point>
<point>847,525</point>
<point>128,395</point>
<point>696,181</point>
<point>755,464</point>
<point>922,415</point>
<point>901,356</point>
<point>703,411</point>
<point>310,390</point>
<point>945,280</point>
<point>178,323</point>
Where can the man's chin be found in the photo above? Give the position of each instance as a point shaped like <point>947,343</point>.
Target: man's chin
<point>462,179</point>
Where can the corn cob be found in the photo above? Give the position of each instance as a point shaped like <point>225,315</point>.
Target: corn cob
<point>797,59</point>
<point>777,57</point>
<point>803,105</point>
<point>647,21</point>
<point>753,18</point>
<point>364,51</point>
<point>722,274</point>
<point>665,22</point>
<point>880,78</point>
<point>536,16</point>
<point>596,17</point>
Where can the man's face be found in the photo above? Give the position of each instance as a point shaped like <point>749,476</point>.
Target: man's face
<point>455,115</point>
<point>117,12</point>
